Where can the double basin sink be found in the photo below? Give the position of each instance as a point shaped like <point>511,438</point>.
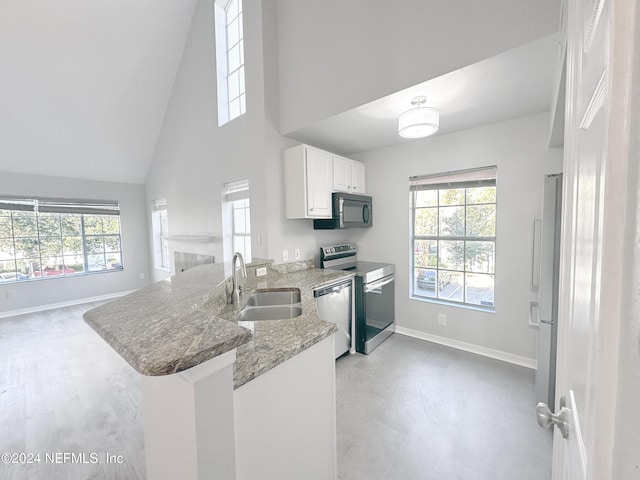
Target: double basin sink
<point>272,304</point>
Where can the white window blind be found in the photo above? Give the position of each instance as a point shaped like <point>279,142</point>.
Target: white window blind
<point>238,190</point>
<point>160,204</point>
<point>60,205</point>
<point>476,177</point>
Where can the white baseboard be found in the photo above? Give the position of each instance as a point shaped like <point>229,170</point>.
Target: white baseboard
<point>51,306</point>
<point>470,347</point>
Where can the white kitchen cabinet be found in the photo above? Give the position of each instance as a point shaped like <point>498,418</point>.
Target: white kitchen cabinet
<point>348,175</point>
<point>357,177</point>
<point>308,180</point>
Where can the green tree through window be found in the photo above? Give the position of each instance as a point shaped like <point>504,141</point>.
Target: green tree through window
<point>453,235</point>
<point>44,239</point>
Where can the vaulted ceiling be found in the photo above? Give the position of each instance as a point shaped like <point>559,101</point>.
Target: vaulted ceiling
<point>84,86</point>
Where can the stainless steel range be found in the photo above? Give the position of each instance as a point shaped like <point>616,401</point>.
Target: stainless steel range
<point>374,294</point>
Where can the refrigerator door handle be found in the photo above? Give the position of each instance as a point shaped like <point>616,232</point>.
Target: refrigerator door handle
<point>535,254</point>
<point>547,249</point>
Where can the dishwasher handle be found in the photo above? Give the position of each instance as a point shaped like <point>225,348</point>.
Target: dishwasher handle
<point>335,288</point>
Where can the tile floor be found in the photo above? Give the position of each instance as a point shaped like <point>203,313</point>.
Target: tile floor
<point>411,410</point>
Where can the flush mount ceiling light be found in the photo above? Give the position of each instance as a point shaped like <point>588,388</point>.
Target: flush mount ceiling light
<point>419,121</point>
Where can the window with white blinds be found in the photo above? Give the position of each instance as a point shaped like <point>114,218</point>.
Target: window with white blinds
<point>52,238</point>
<point>453,237</point>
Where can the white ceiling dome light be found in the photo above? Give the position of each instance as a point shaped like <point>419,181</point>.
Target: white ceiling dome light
<point>419,121</point>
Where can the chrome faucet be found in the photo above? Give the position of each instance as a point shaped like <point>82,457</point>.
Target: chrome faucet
<point>235,293</point>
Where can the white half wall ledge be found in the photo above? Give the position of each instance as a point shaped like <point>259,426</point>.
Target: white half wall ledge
<point>70,303</point>
<point>197,244</point>
<point>470,347</point>
<point>190,238</point>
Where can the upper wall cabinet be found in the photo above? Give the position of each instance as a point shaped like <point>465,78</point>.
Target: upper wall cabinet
<point>348,175</point>
<point>308,180</point>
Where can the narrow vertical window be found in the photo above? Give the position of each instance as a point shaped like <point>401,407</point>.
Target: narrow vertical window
<point>230,60</point>
<point>453,237</point>
<point>237,219</point>
<point>160,224</point>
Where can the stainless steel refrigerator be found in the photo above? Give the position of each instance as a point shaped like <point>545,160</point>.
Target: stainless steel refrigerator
<point>549,277</point>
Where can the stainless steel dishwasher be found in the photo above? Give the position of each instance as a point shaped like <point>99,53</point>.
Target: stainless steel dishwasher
<point>335,303</point>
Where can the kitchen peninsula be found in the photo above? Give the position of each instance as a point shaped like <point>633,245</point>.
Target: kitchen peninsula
<point>217,394</point>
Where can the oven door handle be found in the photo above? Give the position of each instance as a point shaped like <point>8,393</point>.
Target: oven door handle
<point>379,283</point>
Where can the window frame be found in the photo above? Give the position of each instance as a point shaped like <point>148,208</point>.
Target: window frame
<point>236,196</point>
<point>229,107</point>
<point>464,179</point>
<point>80,211</point>
<point>242,204</point>
<point>160,228</point>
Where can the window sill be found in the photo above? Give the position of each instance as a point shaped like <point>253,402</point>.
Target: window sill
<point>163,269</point>
<point>466,306</point>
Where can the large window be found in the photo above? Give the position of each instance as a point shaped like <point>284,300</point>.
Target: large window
<point>49,238</point>
<point>230,60</point>
<point>453,237</point>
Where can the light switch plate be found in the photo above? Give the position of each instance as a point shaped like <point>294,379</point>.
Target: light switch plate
<point>285,255</point>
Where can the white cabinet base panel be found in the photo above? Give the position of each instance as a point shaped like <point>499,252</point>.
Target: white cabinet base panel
<point>188,422</point>
<point>285,420</point>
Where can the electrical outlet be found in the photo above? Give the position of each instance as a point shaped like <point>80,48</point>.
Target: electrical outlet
<point>296,254</point>
<point>142,276</point>
<point>10,294</point>
<point>442,319</point>
<point>261,272</point>
<point>285,255</point>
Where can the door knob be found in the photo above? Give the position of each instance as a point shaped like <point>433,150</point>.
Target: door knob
<point>546,417</point>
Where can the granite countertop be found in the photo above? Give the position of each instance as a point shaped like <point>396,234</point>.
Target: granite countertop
<point>275,341</point>
<point>183,321</point>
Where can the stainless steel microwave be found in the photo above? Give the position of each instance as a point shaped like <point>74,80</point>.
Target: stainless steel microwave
<point>349,211</point>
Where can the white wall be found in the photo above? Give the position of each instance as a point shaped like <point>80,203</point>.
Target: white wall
<point>337,55</point>
<point>194,157</point>
<point>518,148</point>
<point>284,234</point>
<point>134,242</point>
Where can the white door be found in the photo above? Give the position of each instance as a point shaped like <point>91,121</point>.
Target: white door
<point>598,235</point>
